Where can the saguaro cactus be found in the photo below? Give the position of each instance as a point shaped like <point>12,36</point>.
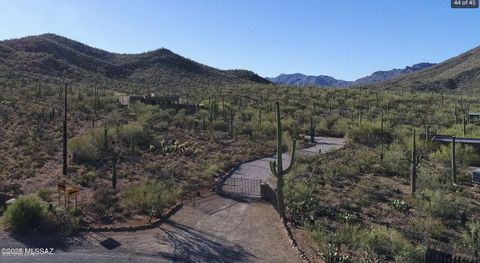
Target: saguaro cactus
<point>381,123</point>
<point>114,173</point>
<point>312,129</point>
<point>276,167</point>
<point>65,112</point>
<point>454,162</point>
<point>414,162</point>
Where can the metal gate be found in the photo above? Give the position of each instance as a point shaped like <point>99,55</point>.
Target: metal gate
<point>242,186</point>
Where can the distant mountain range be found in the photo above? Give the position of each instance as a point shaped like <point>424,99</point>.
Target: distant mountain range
<point>298,79</point>
<point>458,73</point>
<point>50,55</point>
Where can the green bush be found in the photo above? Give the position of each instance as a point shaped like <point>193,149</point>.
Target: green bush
<point>394,161</point>
<point>437,203</point>
<point>45,194</point>
<point>149,197</point>
<point>369,134</point>
<point>220,125</point>
<point>86,179</point>
<point>465,155</point>
<point>301,203</point>
<point>391,244</point>
<point>26,214</point>
<point>85,148</point>
<point>134,132</point>
<point>471,237</point>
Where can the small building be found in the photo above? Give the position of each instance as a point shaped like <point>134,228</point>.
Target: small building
<point>475,173</point>
<point>125,100</point>
<point>164,102</point>
<point>474,117</point>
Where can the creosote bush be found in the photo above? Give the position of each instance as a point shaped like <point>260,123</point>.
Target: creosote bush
<point>149,197</point>
<point>26,214</point>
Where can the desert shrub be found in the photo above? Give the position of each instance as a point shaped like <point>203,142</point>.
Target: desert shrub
<point>219,125</point>
<point>399,205</point>
<point>340,128</point>
<point>391,244</point>
<point>149,197</point>
<point>26,214</point>
<point>85,148</point>
<point>471,237</point>
<point>465,155</point>
<point>45,194</point>
<point>351,235</point>
<point>265,128</point>
<point>369,134</point>
<point>245,129</point>
<point>378,242</point>
<point>103,200</point>
<point>367,192</point>
<point>437,203</point>
<point>322,238</point>
<point>63,221</point>
<point>136,133</point>
<point>86,179</point>
<point>301,202</point>
<point>394,162</point>
<point>428,227</point>
<point>365,158</point>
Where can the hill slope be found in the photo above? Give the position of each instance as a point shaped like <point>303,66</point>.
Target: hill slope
<point>460,72</point>
<point>298,79</point>
<point>52,55</point>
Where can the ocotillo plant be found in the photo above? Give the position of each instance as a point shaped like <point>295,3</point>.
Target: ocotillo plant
<point>454,162</point>
<point>231,124</point>
<point>414,162</point>
<point>65,112</point>
<point>276,167</point>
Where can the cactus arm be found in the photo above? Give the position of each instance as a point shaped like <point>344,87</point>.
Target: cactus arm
<point>273,168</point>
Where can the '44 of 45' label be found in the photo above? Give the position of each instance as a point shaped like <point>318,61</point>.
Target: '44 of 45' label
<point>465,3</point>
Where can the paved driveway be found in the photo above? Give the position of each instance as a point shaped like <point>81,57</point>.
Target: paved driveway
<point>260,169</point>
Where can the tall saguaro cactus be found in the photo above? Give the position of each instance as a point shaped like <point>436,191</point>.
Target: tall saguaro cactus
<point>454,162</point>
<point>276,167</point>
<point>65,112</point>
<point>414,162</point>
<point>312,129</point>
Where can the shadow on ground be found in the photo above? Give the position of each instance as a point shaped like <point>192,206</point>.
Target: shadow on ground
<point>56,241</point>
<point>190,245</point>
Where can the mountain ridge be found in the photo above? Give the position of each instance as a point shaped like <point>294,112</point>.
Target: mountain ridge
<point>298,79</point>
<point>52,55</point>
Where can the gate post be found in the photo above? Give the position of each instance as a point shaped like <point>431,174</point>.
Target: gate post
<point>218,184</point>
<point>264,194</point>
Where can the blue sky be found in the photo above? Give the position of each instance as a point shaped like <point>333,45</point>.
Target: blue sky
<point>345,39</point>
